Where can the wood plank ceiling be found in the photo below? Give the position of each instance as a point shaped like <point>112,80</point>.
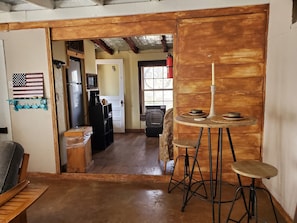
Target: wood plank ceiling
<point>135,44</point>
<point>162,42</point>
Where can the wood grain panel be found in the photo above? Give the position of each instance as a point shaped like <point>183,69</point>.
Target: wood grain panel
<point>221,99</point>
<point>138,18</point>
<point>18,205</point>
<point>114,30</point>
<point>228,39</point>
<point>238,138</point>
<point>232,85</point>
<point>4,27</point>
<point>237,45</point>
<point>231,25</point>
<point>203,71</point>
<point>226,52</point>
<point>241,153</point>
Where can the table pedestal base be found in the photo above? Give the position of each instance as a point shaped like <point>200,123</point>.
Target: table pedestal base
<point>215,182</point>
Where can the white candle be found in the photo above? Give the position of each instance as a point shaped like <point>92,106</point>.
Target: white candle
<point>212,74</point>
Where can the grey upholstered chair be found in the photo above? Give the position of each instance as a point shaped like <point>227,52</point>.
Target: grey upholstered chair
<point>11,156</point>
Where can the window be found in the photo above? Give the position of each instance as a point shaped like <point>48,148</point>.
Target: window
<point>155,87</point>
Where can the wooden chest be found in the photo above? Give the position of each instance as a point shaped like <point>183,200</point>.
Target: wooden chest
<point>79,151</point>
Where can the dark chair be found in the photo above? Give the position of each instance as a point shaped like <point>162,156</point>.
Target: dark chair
<point>154,122</point>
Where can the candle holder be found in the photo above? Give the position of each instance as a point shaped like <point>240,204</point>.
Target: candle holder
<point>212,112</point>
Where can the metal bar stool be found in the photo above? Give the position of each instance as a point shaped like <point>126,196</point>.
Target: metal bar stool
<point>253,169</point>
<point>183,183</point>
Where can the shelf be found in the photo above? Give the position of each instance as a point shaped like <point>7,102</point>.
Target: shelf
<point>28,103</point>
<point>100,117</point>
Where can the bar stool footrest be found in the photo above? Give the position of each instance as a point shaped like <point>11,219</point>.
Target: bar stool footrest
<point>252,202</point>
<point>178,182</point>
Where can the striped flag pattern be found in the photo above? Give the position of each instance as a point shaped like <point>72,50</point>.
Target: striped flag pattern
<point>27,85</point>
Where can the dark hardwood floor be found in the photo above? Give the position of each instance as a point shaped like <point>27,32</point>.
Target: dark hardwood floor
<point>130,153</point>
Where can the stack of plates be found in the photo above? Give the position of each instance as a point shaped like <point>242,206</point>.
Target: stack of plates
<point>197,112</point>
<point>233,116</point>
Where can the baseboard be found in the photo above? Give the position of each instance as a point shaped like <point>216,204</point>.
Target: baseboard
<point>64,168</point>
<point>134,130</point>
<point>295,217</point>
<point>281,211</point>
<point>279,208</point>
<point>128,178</point>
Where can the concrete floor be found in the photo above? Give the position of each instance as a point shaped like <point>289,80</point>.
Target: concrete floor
<point>125,188</point>
<point>89,200</point>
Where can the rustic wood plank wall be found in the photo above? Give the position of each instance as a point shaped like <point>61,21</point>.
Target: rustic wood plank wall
<point>237,46</point>
<point>234,38</point>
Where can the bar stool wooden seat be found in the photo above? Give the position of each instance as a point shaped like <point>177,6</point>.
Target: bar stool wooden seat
<point>183,183</point>
<point>253,169</point>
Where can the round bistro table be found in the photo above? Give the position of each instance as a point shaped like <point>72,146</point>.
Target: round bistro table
<point>219,123</point>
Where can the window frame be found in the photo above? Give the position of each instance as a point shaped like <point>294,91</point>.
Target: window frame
<point>150,63</point>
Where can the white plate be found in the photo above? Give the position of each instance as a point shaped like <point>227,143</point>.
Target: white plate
<point>199,119</point>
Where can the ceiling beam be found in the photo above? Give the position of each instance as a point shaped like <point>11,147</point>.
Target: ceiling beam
<point>4,7</point>
<point>103,46</point>
<point>77,3</point>
<point>98,2</point>
<point>164,43</point>
<point>131,44</point>
<point>49,4</point>
<point>113,2</point>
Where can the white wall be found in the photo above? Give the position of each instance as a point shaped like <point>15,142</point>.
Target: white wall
<point>280,124</point>
<point>89,52</point>
<point>25,52</point>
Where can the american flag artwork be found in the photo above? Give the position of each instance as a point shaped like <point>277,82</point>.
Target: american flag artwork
<point>27,85</point>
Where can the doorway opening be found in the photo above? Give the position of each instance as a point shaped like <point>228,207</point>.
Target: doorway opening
<point>111,87</point>
<point>129,102</point>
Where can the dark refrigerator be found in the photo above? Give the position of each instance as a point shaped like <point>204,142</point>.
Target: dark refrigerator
<point>75,94</point>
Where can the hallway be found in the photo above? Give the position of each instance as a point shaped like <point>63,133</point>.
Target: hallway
<point>130,153</point>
